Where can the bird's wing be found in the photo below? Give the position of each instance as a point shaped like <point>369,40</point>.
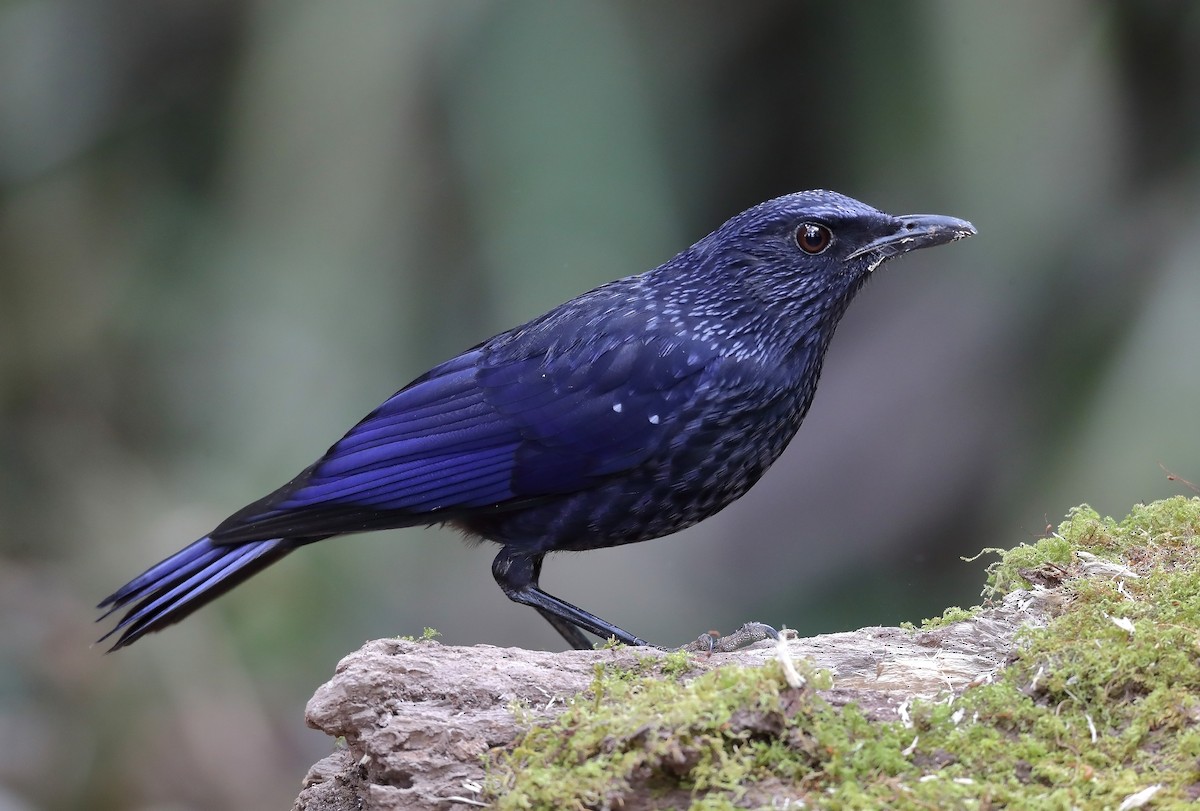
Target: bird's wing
<point>513,421</point>
<point>595,407</point>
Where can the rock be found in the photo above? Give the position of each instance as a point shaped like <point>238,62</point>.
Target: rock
<point>417,716</point>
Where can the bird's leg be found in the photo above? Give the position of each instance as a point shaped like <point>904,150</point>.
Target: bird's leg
<point>573,635</point>
<point>517,575</point>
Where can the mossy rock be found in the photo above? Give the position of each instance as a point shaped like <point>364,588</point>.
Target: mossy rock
<point>1097,708</point>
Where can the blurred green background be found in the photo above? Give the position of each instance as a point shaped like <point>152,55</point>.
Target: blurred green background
<point>228,230</point>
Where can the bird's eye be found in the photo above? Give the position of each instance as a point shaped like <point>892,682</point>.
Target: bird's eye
<point>813,238</point>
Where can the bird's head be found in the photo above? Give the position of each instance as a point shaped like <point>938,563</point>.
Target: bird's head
<point>812,250</point>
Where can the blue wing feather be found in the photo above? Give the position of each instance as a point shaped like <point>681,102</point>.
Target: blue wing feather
<point>514,420</point>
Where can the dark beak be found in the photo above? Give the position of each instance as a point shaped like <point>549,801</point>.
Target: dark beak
<point>915,231</point>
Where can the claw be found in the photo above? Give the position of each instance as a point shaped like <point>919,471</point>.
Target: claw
<point>713,642</point>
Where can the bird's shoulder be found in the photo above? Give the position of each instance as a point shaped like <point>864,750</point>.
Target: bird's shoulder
<point>615,334</point>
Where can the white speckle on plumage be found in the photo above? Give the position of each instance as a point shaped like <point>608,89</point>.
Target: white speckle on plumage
<point>654,419</point>
<point>617,407</point>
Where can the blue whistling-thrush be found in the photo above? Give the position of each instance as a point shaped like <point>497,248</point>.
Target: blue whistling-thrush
<point>628,413</point>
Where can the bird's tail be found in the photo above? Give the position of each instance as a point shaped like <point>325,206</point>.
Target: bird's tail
<point>194,576</point>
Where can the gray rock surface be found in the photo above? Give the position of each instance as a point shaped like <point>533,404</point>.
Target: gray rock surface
<point>416,717</point>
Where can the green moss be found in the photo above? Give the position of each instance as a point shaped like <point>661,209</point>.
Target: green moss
<point>949,616</point>
<point>1088,713</point>
<point>676,664</point>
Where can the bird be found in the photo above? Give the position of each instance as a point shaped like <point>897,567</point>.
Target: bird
<point>630,412</point>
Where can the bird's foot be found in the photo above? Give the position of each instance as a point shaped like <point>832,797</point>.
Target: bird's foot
<point>713,642</point>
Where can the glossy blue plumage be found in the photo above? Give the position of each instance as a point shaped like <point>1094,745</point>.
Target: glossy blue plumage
<point>625,414</point>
